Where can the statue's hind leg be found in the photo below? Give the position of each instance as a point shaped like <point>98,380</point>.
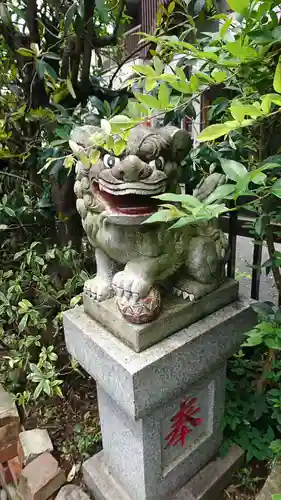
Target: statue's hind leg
<point>204,269</point>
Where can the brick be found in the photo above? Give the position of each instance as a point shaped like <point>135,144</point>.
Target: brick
<point>41,478</point>
<point>15,469</point>
<point>9,433</point>
<point>5,474</point>
<point>32,444</point>
<point>8,451</point>
<point>8,409</point>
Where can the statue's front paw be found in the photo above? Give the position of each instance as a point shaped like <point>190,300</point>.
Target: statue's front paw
<point>98,289</point>
<point>130,286</point>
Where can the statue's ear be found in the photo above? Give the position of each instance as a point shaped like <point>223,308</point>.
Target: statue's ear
<point>82,135</point>
<point>181,143</point>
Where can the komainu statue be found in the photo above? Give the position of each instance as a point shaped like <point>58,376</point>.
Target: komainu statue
<point>138,262</point>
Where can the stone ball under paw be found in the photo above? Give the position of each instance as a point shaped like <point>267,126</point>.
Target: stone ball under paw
<point>143,310</point>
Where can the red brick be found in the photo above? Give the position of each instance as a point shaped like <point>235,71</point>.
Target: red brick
<point>8,451</point>
<point>15,469</point>
<point>9,433</point>
<point>5,474</point>
<point>41,478</point>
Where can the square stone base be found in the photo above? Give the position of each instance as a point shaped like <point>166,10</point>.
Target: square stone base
<point>207,484</point>
<point>176,314</point>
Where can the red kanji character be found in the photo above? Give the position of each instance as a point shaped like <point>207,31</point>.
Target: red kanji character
<point>181,422</point>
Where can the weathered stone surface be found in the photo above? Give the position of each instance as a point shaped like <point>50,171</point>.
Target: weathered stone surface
<point>131,257</point>
<point>8,451</point>
<point>140,393</point>
<point>40,478</point>
<point>33,443</point>
<point>272,484</point>
<point>8,409</point>
<point>176,314</point>
<point>143,381</point>
<point>72,492</point>
<point>209,482</point>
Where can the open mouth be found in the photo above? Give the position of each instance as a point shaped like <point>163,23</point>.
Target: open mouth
<point>127,203</point>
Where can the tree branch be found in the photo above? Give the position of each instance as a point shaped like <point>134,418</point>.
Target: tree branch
<point>31,19</point>
<point>88,40</point>
<point>104,41</point>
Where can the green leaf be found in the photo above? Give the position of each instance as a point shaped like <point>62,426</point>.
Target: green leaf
<point>119,146</point>
<point>47,387</point>
<point>70,88</point>
<point>225,27</point>
<point>240,6</point>
<point>219,76</point>
<point>276,188</point>
<point>233,169</point>
<point>94,156</point>
<point>276,497</point>
<point>75,300</point>
<point>145,70</point>
<point>242,53</point>
<point>179,198</point>
<point>160,216</point>
<point>40,68</point>
<point>214,131</point>
<point>252,340</point>
<point>51,55</point>
<point>277,77</point>
<point>258,177</point>
<point>9,211</point>
<point>158,65</point>
<point>69,16</point>
<point>58,142</point>
<point>239,111</point>
<point>23,322</point>
<point>150,84</point>
<point>276,33</point>
<point>220,193</point>
<point>26,52</point>
<point>38,390</point>
<point>272,343</point>
<point>148,100</point>
<point>183,221</point>
<point>164,95</point>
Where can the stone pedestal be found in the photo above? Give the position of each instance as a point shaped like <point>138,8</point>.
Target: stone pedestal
<point>161,408</point>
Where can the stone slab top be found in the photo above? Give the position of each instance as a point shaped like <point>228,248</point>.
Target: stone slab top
<point>8,409</point>
<point>176,314</point>
<point>141,380</point>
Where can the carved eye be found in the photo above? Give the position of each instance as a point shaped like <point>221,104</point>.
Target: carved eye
<point>158,164</point>
<point>109,161</point>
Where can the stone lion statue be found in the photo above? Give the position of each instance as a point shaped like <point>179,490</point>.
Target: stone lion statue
<point>135,260</point>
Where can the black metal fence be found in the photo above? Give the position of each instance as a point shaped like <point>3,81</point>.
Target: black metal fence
<point>237,224</point>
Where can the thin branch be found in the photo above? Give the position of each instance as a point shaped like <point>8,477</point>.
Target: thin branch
<point>126,59</point>
<point>9,174</point>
